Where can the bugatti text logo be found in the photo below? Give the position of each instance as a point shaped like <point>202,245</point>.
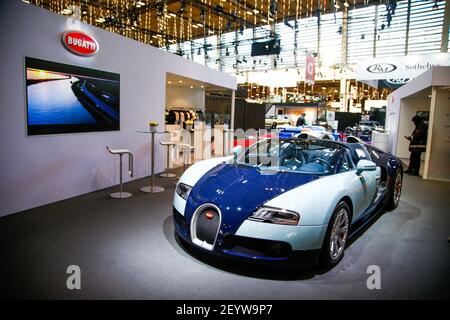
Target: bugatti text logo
<point>209,215</point>
<point>381,68</point>
<point>79,43</point>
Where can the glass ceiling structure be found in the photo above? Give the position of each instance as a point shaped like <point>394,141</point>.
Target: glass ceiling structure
<point>370,34</point>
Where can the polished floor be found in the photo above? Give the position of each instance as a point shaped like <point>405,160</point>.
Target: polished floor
<point>126,249</point>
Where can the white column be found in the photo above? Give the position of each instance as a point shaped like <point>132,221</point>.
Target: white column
<point>233,93</point>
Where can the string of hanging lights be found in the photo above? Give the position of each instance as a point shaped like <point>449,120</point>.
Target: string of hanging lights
<point>118,15</point>
<point>165,22</point>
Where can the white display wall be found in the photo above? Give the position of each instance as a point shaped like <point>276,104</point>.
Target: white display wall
<point>42,169</point>
<point>185,98</point>
<point>412,97</point>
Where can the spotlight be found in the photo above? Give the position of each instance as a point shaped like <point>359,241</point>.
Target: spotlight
<point>273,7</point>
<point>435,6</point>
<point>286,22</point>
<point>84,10</point>
<point>389,19</point>
<point>182,7</point>
<point>202,15</point>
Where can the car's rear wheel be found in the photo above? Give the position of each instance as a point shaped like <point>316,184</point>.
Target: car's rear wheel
<point>336,237</point>
<point>395,190</point>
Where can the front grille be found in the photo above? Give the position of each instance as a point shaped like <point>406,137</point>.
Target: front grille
<point>207,223</point>
<point>257,247</point>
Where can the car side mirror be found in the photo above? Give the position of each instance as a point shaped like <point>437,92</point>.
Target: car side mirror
<point>237,149</point>
<point>365,165</point>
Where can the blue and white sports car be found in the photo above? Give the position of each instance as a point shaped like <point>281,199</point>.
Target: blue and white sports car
<point>291,202</point>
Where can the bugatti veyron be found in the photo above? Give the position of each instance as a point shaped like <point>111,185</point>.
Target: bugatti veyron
<point>290,202</point>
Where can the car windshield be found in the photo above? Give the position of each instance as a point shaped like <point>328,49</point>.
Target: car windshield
<point>293,155</point>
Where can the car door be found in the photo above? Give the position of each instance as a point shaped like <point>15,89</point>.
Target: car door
<point>365,184</point>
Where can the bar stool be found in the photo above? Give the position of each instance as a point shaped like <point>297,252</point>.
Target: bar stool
<point>187,150</point>
<point>167,144</point>
<point>121,152</point>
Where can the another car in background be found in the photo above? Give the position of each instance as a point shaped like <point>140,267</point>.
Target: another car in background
<point>274,122</point>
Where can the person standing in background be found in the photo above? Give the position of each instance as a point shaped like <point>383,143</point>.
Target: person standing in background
<point>301,120</point>
<point>417,145</point>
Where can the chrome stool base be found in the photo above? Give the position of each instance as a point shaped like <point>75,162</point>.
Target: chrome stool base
<point>150,189</point>
<point>167,175</point>
<point>121,195</point>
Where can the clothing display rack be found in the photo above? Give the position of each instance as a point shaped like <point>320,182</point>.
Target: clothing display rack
<point>179,116</point>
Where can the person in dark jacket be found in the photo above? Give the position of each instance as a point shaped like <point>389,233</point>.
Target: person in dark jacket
<point>417,145</point>
<point>301,120</point>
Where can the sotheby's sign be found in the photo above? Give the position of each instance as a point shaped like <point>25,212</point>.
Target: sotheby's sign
<point>399,68</point>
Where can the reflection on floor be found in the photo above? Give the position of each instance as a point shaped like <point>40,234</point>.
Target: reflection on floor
<point>126,249</point>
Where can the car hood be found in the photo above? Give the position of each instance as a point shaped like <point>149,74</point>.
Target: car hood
<point>239,190</point>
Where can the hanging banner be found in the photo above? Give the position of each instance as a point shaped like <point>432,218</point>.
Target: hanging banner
<point>310,69</point>
<point>400,67</point>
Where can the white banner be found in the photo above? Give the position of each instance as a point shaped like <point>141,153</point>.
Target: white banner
<point>400,67</point>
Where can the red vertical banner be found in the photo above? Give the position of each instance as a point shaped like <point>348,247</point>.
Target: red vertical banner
<point>310,69</point>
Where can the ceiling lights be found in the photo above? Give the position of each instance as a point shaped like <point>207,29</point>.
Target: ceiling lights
<point>182,21</point>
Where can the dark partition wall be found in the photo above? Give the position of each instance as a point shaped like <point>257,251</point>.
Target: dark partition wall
<point>347,119</point>
<point>254,116</point>
<point>239,113</point>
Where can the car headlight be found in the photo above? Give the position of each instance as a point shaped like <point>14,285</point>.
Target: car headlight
<point>183,190</point>
<point>275,215</point>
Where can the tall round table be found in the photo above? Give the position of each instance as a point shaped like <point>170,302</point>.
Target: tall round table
<point>152,188</point>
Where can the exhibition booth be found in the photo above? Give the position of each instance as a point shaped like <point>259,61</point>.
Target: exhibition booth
<point>197,114</point>
<point>135,167</point>
<point>428,96</point>
<point>123,77</point>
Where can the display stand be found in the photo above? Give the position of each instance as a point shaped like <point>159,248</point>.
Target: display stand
<point>380,140</point>
<point>198,141</point>
<point>228,141</point>
<point>152,188</point>
<point>219,140</point>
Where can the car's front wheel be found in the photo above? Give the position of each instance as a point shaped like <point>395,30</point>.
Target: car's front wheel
<point>336,237</point>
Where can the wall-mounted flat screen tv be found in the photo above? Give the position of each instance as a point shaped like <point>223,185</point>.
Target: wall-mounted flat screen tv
<point>63,98</point>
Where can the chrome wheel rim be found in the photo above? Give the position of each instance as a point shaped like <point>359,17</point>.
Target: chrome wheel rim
<point>339,234</point>
<point>397,189</point>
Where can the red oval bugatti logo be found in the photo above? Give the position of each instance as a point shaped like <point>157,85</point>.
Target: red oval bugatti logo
<point>79,43</point>
<point>209,215</point>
